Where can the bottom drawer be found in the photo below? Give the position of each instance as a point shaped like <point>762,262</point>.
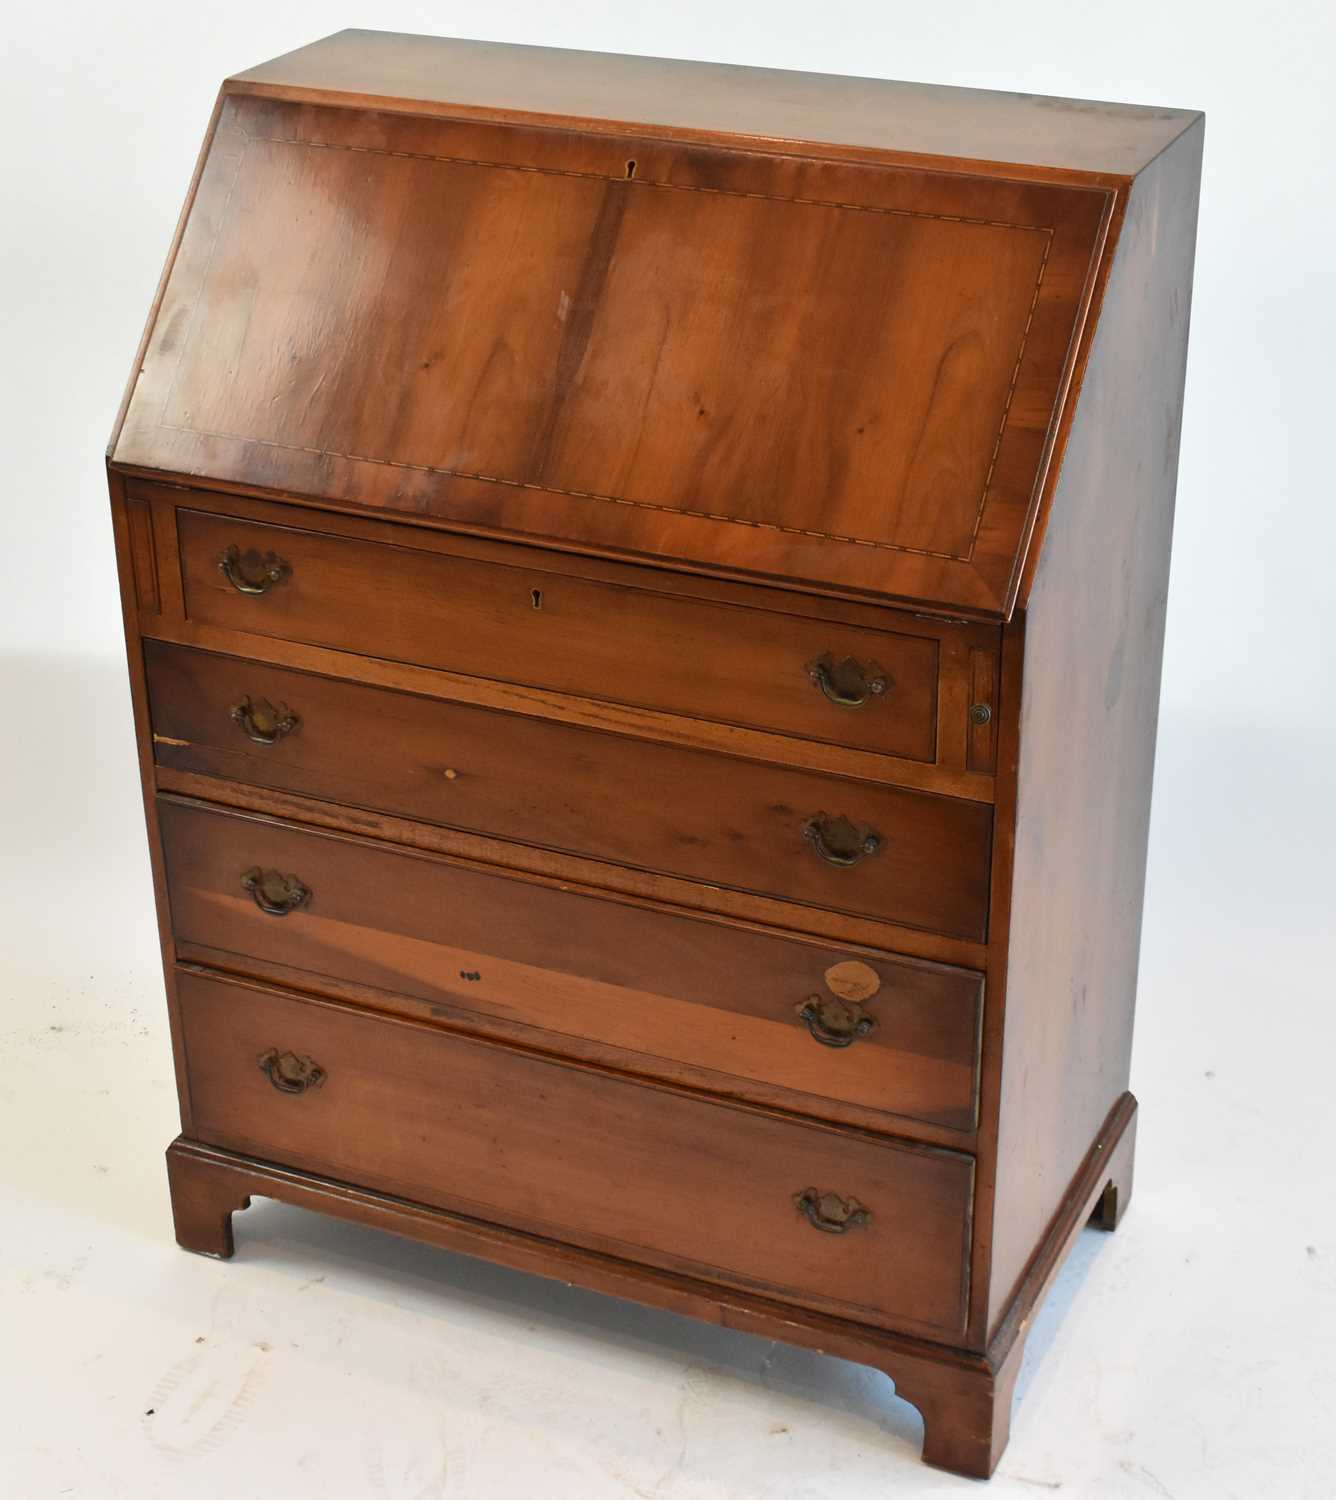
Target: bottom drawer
<point>829,1218</point>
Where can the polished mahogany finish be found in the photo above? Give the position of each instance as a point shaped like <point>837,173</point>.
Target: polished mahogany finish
<point>852,846</point>
<point>668,991</point>
<point>633,386</point>
<point>561,631</point>
<point>701,1187</point>
<point>644,585</point>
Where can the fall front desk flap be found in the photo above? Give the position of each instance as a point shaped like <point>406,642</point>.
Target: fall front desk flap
<point>844,374</point>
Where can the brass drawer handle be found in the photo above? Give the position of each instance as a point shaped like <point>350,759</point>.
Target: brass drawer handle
<point>847,683</point>
<point>830,1213</point>
<point>249,573</point>
<point>838,841</point>
<point>834,1022</point>
<point>289,1073</point>
<point>275,894</point>
<point>262,722</point>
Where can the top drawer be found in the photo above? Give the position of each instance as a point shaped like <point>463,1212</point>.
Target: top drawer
<point>818,679</point>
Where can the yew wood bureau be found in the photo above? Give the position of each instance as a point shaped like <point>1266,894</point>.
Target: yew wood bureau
<point>644,586</point>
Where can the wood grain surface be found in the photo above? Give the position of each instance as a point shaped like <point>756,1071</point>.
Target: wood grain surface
<point>521,625</point>
<point>1094,639</point>
<point>557,446</point>
<point>596,1159</point>
<point>706,817</point>
<point>663,988</point>
<point>769,107</point>
<point>816,370</point>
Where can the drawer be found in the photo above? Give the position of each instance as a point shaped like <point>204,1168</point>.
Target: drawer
<point>736,1009</point>
<point>682,812</point>
<point>692,1184</point>
<point>626,644</point>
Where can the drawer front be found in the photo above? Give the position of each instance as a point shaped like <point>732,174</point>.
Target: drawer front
<point>619,1166</point>
<point>746,1012</point>
<point>735,665</point>
<point>683,812</point>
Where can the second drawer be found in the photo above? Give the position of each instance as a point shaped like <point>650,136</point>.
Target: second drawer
<point>745,1012</point>
<point>914,858</point>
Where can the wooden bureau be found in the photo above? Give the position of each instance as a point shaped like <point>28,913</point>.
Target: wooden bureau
<point>644,586</point>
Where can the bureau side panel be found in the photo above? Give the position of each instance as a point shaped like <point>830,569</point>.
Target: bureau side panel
<point>1094,635</point>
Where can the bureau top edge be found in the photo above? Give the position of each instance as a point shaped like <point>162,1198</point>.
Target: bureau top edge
<point>774,109</point>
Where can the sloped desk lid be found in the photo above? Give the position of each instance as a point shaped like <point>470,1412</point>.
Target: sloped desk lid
<point>845,374</point>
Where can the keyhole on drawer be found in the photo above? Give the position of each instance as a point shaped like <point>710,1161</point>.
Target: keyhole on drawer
<point>630,169</point>
<point>536,595</point>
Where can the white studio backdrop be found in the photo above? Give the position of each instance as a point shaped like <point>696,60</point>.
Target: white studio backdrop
<point>102,109</point>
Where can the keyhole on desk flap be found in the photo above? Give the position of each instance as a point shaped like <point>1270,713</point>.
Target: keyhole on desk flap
<point>536,596</point>
<point>630,169</point>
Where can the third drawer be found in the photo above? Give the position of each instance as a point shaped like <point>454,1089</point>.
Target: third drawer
<point>842,1033</point>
